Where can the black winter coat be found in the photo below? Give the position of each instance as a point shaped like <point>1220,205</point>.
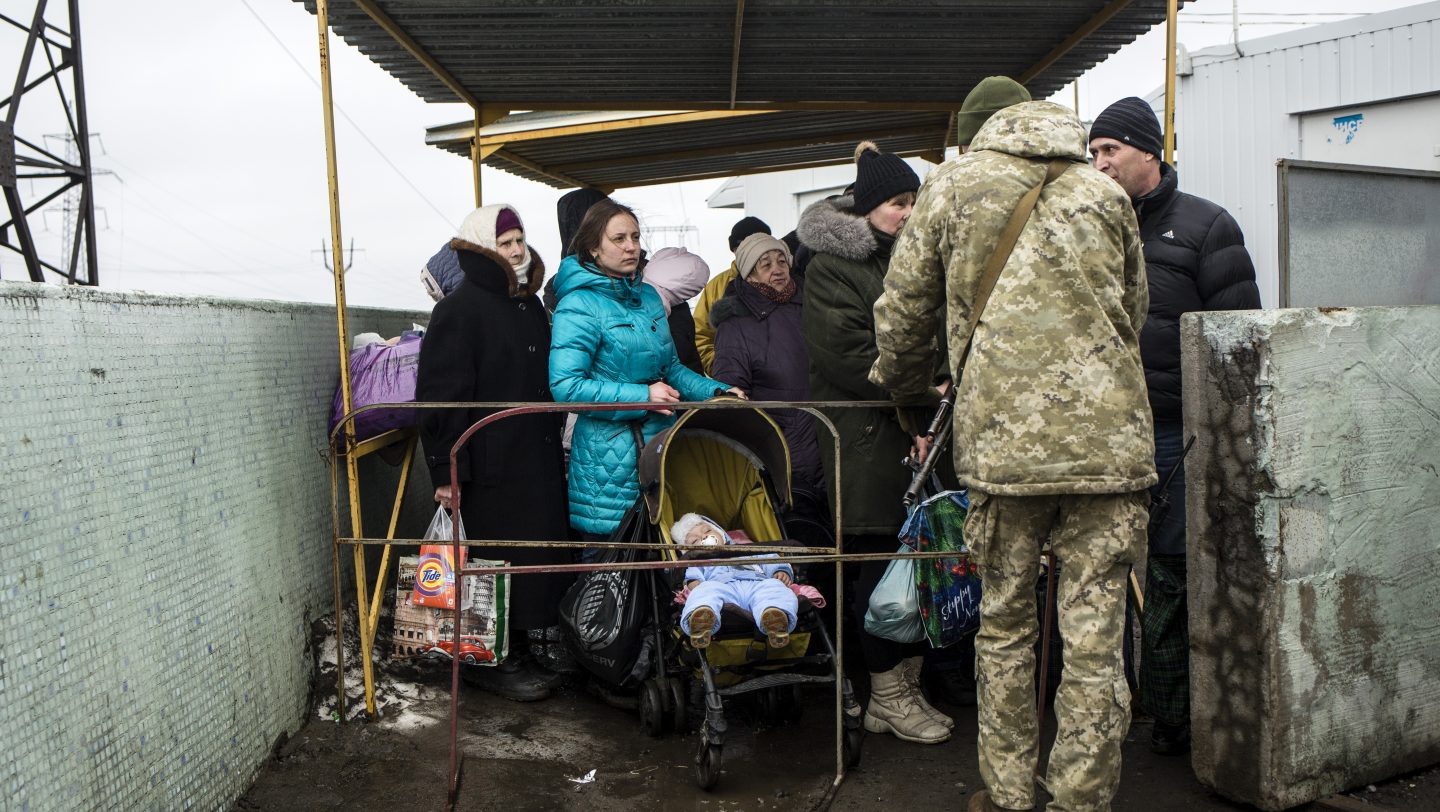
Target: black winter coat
<point>489,340</point>
<point>845,277</point>
<point>760,348</point>
<point>1195,259</point>
<point>682,332</point>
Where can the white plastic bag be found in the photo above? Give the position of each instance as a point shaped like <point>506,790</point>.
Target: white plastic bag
<point>894,611</point>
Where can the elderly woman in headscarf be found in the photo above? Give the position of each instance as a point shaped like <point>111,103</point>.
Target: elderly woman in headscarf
<point>489,341</point>
<point>760,348</point>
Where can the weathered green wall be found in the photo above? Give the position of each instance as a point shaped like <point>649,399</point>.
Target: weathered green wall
<point>1313,511</point>
<point>165,536</point>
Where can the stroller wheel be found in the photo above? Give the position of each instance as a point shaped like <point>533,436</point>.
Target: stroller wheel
<point>652,712</point>
<point>679,705</point>
<point>707,765</point>
<point>792,705</point>
<point>771,705</point>
<point>850,748</point>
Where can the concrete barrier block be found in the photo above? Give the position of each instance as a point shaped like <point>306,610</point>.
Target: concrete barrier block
<point>1313,508</point>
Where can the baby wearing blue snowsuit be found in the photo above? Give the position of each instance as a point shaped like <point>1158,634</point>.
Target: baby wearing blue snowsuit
<point>764,589</point>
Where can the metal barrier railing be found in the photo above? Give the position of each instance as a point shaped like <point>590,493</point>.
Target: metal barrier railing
<point>368,608</point>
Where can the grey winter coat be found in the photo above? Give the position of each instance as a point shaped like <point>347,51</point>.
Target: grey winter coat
<point>759,347</point>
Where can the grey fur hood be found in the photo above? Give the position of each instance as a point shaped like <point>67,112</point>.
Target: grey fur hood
<point>831,227</point>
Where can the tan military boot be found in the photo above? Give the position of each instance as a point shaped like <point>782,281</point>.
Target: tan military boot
<point>893,709</point>
<point>911,668</point>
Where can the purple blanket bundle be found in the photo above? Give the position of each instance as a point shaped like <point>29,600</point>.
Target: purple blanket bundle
<point>380,373</point>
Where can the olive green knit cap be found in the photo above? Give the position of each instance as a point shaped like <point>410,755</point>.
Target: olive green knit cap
<point>992,95</point>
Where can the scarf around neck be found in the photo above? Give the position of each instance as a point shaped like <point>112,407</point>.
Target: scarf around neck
<point>780,295</point>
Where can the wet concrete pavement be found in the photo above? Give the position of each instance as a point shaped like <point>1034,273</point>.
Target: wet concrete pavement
<point>523,757</point>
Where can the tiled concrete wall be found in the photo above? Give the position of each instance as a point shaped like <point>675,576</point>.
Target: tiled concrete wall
<point>165,538</point>
<point>1313,507</point>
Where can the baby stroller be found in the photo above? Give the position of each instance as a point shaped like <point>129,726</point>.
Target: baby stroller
<point>733,466</point>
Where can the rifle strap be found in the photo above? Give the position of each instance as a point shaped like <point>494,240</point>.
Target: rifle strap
<point>1003,249</point>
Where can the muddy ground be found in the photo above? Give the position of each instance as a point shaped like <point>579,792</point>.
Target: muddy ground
<point>525,757</point>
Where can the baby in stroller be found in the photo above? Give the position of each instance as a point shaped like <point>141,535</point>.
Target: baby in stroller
<point>763,589</point>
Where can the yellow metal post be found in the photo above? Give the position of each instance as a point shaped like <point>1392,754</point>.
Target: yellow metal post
<point>1171,11</point>
<point>322,17</point>
<point>476,161</point>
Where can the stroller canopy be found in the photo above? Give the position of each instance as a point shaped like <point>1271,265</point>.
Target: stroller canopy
<point>719,462</point>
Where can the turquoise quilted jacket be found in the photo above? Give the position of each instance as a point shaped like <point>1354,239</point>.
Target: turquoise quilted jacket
<point>609,342</point>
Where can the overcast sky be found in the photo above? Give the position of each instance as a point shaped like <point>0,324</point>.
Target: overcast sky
<point>213,134</point>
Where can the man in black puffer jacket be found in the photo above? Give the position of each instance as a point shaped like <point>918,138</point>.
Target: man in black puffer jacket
<point>1195,259</point>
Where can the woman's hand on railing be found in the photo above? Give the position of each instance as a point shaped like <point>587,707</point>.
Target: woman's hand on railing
<point>738,392</point>
<point>661,392</point>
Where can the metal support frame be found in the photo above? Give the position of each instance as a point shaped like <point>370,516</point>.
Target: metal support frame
<point>1171,12</point>
<point>735,51</point>
<point>1089,27</point>
<point>24,158</point>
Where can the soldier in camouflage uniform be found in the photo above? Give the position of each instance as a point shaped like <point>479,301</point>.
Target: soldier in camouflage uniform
<point>1052,429</point>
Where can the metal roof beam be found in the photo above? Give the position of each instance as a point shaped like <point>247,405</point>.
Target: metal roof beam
<point>739,149</point>
<point>614,126</point>
<point>741,106</point>
<point>507,155</point>
<point>735,50</point>
<point>408,43</point>
<point>910,153</point>
<point>1089,27</point>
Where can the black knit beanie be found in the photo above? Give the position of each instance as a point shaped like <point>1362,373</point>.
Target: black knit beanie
<point>1130,121</point>
<point>880,176</point>
<point>570,210</point>
<point>744,228</point>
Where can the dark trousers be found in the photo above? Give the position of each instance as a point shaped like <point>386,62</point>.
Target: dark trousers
<point>1165,656</point>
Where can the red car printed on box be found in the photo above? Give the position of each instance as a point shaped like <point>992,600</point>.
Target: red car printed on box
<point>472,650</point>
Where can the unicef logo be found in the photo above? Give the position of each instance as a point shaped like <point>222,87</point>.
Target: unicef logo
<point>431,576</point>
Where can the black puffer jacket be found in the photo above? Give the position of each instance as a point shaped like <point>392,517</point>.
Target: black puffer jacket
<point>1195,259</point>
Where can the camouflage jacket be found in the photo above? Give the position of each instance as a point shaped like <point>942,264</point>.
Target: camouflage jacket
<point>1053,397</point>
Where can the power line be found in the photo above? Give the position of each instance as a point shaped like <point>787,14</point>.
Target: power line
<point>347,117</point>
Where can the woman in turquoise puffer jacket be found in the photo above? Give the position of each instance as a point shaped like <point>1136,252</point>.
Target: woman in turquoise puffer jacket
<point>611,344</point>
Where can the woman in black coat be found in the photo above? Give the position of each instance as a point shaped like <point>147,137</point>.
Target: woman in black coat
<point>489,340</point>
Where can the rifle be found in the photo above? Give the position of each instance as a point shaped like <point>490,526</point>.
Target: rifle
<point>938,435</point>
<point>1160,508</point>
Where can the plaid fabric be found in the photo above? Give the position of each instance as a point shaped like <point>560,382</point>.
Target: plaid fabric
<point>1165,660</point>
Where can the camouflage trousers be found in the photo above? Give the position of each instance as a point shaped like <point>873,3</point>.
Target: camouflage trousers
<point>1095,538</point>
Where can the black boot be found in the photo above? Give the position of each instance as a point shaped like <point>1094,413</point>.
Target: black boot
<point>510,679</point>
<point>1170,740</point>
<point>550,679</point>
<point>952,686</point>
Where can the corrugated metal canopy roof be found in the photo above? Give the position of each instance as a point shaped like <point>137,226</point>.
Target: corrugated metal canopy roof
<point>640,55</point>
<point>617,150</point>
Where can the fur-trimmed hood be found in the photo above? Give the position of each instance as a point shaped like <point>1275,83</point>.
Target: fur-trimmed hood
<point>503,269</point>
<point>831,227</point>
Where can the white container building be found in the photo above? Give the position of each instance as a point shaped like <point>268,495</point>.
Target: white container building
<point>1363,91</point>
